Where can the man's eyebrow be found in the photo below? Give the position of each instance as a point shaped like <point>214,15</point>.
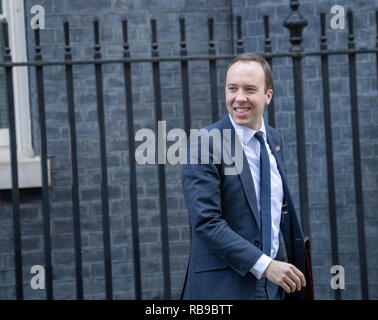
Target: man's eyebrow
<point>248,85</point>
<point>251,86</point>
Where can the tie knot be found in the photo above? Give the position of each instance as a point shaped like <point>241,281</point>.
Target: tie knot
<point>260,136</point>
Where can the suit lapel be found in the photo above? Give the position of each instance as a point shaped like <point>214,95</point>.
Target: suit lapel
<point>275,148</point>
<point>245,173</point>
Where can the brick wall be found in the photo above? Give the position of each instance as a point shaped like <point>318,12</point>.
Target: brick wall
<point>81,14</point>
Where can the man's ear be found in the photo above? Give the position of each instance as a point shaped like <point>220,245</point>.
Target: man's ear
<point>269,95</point>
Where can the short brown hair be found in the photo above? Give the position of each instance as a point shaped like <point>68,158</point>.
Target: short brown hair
<point>248,57</point>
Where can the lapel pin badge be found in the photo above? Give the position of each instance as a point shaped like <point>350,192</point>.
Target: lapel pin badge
<point>277,148</point>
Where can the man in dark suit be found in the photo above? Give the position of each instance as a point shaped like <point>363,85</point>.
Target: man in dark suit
<point>246,240</point>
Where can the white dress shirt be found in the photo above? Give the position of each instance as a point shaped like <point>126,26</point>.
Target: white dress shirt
<point>251,148</point>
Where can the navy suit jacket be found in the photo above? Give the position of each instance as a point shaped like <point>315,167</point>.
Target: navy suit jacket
<point>225,224</point>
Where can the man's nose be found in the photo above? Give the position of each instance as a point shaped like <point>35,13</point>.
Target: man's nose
<point>240,96</point>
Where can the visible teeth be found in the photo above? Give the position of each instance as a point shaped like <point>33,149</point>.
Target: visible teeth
<point>241,109</point>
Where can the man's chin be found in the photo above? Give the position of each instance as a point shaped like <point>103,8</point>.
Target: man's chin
<point>241,121</point>
<point>246,122</point>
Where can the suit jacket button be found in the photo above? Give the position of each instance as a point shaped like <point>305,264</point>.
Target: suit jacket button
<point>257,243</point>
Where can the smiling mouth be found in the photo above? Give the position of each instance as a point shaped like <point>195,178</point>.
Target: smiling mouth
<point>241,110</point>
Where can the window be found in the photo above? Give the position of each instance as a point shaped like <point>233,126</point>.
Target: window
<point>3,107</point>
<point>29,165</point>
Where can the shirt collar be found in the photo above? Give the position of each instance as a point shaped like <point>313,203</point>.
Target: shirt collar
<point>247,132</point>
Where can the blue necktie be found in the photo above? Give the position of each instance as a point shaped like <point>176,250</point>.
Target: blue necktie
<point>264,194</point>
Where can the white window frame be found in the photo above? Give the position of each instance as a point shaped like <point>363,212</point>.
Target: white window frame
<point>29,165</point>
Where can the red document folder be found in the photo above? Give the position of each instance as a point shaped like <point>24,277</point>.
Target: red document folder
<point>309,289</point>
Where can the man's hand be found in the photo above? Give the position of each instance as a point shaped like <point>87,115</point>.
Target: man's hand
<point>285,275</point>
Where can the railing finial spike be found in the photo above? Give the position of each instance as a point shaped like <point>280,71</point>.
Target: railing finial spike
<point>295,22</point>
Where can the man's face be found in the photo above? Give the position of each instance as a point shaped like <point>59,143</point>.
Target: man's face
<point>245,94</point>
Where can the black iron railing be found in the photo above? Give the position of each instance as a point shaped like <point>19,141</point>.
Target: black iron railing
<point>295,22</point>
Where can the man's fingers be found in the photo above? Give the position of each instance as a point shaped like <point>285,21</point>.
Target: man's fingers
<point>296,278</point>
<point>285,275</point>
<point>290,283</point>
<point>285,287</point>
<point>291,278</point>
<point>301,276</point>
<point>297,282</point>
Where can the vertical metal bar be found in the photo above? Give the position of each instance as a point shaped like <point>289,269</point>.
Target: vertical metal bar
<point>357,160</point>
<point>74,168</point>
<point>295,22</point>
<point>213,71</point>
<point>185,78</point>
<point>14,166</point>
<point>185,87</point>
<point>268,50</point>
<point>329,150</point>
<point>104,173</point>
<point>376,41</point>
<point>231,19</point>
<point>45,186</point>
<point>301,144</point>
<point>239,44</point>
<point>161,166</point>
<point>133,180</point>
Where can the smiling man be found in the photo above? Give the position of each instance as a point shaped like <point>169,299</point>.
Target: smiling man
<point>249,88</point>
<point>247,242</point>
